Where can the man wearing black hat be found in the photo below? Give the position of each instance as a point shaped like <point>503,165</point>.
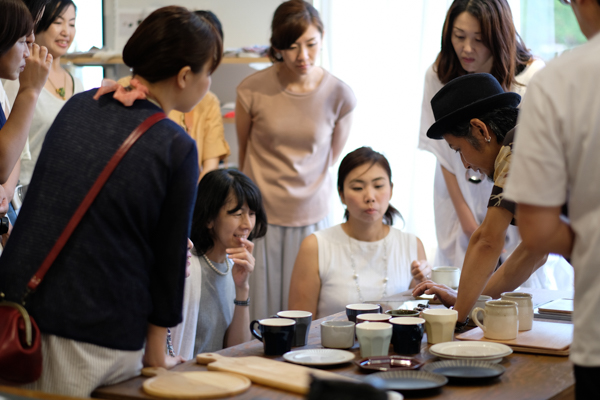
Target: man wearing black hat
<point>557,156</point>
<point>477,119</point>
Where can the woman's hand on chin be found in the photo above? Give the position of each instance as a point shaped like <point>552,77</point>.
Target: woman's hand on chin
<point>442,292</point>
<point>243,263</point>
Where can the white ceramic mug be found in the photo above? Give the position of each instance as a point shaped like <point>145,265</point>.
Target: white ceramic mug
<point>337,334</point>
<point>525,308</point>
<point>360,318</point>
<point>479,303</point>
<point>449,276</point>
<point>374,338</point>
<point>440,324</point>
<point>501,319</point>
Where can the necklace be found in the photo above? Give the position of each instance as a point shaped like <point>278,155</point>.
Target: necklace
<point>61,91</point>
<point>210,264</point>
<point>355,274</point>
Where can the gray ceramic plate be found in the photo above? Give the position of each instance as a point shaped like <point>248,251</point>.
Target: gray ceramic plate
<point>406,381</point>
<point>465,369</point>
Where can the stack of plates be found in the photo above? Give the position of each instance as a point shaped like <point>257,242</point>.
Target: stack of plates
<point>482,351</point>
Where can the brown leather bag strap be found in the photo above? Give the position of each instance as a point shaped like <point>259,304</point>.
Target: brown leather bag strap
<point>89,198</point>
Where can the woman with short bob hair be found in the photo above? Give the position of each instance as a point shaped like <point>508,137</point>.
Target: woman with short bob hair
<point>292,121</point>
<point>478,36</point>
<point>121,273</point>
<point>228,215</point>
<point>365,258</point>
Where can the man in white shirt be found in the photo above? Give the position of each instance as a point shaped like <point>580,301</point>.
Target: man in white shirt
<point>556,154</point>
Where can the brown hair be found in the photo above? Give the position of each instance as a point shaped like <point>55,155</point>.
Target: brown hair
<point>498,34</point>
<point>53,10</point>
<point>361,156</point>
<point>15,22</point>
<point>169,39</point>
<point>290,21</point>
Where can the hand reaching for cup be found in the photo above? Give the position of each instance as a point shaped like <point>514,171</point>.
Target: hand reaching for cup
<point>420,270</point>
<point>442,292</point>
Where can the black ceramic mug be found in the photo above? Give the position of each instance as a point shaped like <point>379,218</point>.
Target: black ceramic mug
<point>303,320</point>
<point>407,334</point>
<point>277,334</point>
<point>352,310</point>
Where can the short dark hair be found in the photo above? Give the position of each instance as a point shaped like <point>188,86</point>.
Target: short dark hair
<point>36,7</point>
<point>15,23</point>
<point>213,191</point>
<point>498,34</point>
<point>53,10</point>
<point>500,121</point>
<point>170,39</point>
<point>213,19</point>
<point>291,19</point>
<point>361,156</point>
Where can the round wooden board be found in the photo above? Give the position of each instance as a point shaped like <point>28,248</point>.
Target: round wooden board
<point>196,385</point>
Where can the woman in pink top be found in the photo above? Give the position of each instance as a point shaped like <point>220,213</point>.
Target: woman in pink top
<point>292,120</point>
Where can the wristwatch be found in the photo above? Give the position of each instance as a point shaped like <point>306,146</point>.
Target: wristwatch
<point>242,302</point>
<point>460,326</point>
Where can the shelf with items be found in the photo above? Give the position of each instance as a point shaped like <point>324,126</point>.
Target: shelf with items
<point>92,61</point>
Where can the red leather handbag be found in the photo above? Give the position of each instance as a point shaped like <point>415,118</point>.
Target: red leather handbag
<point>20,343</point>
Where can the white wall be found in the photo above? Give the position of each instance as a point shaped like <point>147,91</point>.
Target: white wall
<point>244,22</point>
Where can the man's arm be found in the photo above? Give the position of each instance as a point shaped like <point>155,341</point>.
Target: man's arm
<point>481,258</point>
<point>543,231</point>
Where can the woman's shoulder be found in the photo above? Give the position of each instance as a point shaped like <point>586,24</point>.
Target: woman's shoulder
<point>397,234</point>
<point>333,234</point>
<point>338,86</point>
<point>531,69</point>
<point>259,78</point>
<point>431,77</point>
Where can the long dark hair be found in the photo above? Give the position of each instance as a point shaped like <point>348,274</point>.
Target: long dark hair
<point>36,7</point>
<point>15,22</point>
<point>498,34</point>
<point>53,10</point>
<point>290,21</point>
<point>213,191</point>
<point>169,39</point>
<point>361,156</point>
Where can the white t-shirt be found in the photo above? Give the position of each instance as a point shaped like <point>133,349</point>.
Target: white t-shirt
<point>46,110</point>
<point>556,157</point>
<point>452,241</point>
<point>336,253</point>
<point>5,104</point>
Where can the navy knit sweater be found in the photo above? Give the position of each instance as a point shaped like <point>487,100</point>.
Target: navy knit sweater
<point>124,265</point>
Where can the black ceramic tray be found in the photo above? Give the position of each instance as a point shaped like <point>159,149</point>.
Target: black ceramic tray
<point>465,369</point>
<point>407,381</point>
<point>387,363</point>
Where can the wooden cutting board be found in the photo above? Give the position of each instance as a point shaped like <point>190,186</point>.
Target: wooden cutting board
<point>544,338</point>
<point>194,384</point>
<point>277,374</point>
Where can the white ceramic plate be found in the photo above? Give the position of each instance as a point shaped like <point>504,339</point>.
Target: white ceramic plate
<point>319,356</point>
<point>484,351</point>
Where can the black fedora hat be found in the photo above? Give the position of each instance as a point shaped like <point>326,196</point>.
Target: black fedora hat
<point>467,97</point>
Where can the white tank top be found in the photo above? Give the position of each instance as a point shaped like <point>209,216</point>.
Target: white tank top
<point>336,250</point>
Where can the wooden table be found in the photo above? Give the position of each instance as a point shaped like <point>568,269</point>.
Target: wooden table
<point>527,376</point>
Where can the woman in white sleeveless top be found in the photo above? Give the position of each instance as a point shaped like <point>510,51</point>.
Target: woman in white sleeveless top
<point>364,258</point>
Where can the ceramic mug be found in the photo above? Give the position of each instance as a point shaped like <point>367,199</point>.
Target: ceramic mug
<point>501,319</point>
<point>372,317</point>
<point>337,334</point>
<point>303,320</point>
<point>403,313</point>
<point>276,334</point>
<point>440,324</point>
<point>352,310</point>
<point>407,334</point>
<point>449,276</point>
<point>479,303</point>
<point>374,338</point>
<point>524,307</point>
